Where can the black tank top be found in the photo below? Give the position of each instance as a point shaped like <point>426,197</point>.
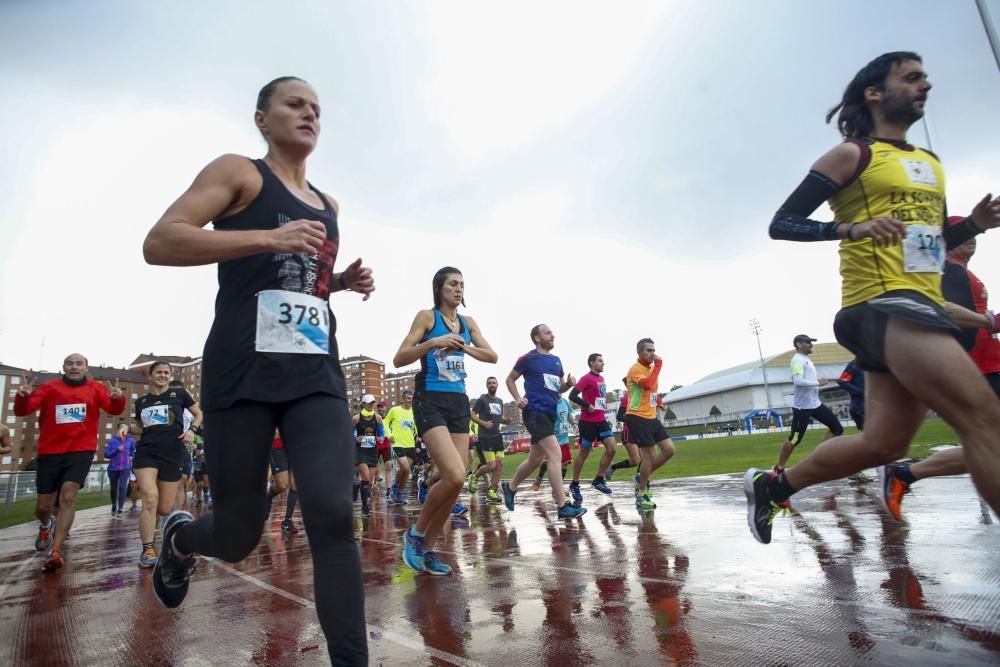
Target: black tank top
<point>367,428</point>
<point>232,369</point>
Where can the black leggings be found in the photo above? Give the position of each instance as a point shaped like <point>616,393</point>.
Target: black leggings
<point>318,439</point>
<point>119,487</point>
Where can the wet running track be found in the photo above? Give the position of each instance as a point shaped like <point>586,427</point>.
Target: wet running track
<point>841,584</point>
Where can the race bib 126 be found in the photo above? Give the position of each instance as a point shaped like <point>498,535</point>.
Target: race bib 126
<point>292,322</point>
<point>923,249</point>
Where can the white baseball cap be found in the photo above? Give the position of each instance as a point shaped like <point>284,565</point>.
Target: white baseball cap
<point>367,398</point>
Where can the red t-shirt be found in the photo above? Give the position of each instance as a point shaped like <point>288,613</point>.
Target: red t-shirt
<point>68,416</point>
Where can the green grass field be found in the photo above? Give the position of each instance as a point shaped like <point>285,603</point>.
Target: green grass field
<point>694,457</point>
<point>23,511</point>
<point>737,453</point>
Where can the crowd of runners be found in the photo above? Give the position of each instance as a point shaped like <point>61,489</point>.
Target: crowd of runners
<point>274,413</point>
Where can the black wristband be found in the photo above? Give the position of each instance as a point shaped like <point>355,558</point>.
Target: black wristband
<point>850,231</point>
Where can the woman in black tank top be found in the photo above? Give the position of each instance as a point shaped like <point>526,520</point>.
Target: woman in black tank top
<point>270,360</point>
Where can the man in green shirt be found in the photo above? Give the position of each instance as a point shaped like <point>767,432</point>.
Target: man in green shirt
<point>402,432</point>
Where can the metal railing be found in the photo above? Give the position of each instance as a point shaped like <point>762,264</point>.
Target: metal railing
<point>20,485</point>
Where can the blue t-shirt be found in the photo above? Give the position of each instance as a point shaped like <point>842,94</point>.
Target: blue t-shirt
<point>563,410</point>
<point>542,379</point>
<point>440,370</point>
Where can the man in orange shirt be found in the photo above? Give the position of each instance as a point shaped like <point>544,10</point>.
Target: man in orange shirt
<point>69,411</point>
<point>644,429</point>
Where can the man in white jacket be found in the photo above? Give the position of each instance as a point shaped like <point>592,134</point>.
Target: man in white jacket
<point>806,405</point>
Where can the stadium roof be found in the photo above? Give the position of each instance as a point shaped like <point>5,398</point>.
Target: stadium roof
<point>751,374</point>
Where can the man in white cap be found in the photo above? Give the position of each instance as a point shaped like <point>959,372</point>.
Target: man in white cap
<point>368,430</point>
<point>806,405</point>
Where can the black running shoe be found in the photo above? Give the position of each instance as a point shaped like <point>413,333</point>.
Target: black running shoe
<point>761,510</point>
<point>172,573</point>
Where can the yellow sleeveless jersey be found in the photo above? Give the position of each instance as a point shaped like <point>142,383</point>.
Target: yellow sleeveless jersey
<point>906,184</point>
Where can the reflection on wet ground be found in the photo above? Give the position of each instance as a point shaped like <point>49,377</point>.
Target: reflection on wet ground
<point>686,585</point>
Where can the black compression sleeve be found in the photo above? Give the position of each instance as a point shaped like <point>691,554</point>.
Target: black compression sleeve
<point>791,223</point>
<point>956,235</point>
<point>574,396</point>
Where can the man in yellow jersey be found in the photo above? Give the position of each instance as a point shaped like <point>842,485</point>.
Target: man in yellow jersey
<point>889,209</point>
<point>402,433</point>
<point>644,429</point>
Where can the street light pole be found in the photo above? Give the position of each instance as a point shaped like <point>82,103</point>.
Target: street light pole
<point>755,327</point>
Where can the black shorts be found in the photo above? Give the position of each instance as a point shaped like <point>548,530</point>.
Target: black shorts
<point>279,460</point>
<point>801,419</point>
<point>54,470</point>
<point>861,328</point>
<point>591,432</point>
<point>188,467</point>
<point>491,444</point>
<point>198,475</point>
<point>404,452</point>
<point>169,462</point>
<point>539,424</point>
<point>441,408</point>
<point>645,432</point>
<point>366,455</point>
<point>859,418</point>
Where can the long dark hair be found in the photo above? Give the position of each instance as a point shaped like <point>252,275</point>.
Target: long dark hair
<point>438,282</point>
<point>855,118</point>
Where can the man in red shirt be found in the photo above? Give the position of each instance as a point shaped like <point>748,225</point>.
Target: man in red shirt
<point>966,302</point>
<point>69,412</point>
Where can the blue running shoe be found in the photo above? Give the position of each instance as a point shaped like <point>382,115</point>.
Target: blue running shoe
<point>601,486</point>
<point>574,490</point>
<point>395,493</point>
<point>508,495</point>
<point>434,566</point>
<point>459,509</point>
<point>422,492</point>
<point>413,550</point>
<point>567,511</point>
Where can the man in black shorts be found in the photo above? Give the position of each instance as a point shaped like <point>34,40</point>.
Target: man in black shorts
<point>69,412</point>
<point>282,480</point>
<point>644,429</point>
<point>487,413</point>
<point>543,385</point>
<point>401,428</point>
<point>806,405</point>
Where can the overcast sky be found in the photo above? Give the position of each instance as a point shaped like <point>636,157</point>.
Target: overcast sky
<point>610,172</point>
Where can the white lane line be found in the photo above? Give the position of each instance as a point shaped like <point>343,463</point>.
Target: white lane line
<point>372,629</point>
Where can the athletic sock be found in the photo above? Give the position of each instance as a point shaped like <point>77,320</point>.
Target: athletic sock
<point>779,490</point>
<point>293,497</point>
<point>147,545</point>
<point>624,463</point>
<point>904,473</point>
<point>598,479</point>
<point>366,493</point>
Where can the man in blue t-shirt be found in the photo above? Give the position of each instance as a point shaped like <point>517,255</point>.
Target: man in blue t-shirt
<point>543,385</point>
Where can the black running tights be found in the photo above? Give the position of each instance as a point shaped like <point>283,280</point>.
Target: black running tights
<point>318,439</point>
